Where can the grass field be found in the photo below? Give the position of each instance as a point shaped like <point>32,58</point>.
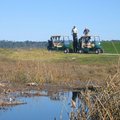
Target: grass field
<point>44,55</point>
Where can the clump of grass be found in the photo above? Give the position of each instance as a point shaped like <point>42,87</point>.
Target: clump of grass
<point>107,101</point>
<point>102,104</point>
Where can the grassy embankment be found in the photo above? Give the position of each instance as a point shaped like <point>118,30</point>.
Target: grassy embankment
<point>38,65</point>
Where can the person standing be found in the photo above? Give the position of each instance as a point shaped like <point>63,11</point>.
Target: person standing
<point>86,31</point>
<point>74,34</point>
<point>87,36</point>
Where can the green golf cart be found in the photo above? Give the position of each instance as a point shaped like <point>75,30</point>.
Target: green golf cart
<point>60,43</point>
<point>90,44</point>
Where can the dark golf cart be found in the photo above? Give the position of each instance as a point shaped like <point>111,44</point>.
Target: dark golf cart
<point>58,43</point>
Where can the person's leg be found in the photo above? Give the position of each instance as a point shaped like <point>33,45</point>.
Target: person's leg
<point>74,46</point>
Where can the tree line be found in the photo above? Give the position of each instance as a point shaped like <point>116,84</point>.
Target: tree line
<point>23,44</point>
<point>31,44</point>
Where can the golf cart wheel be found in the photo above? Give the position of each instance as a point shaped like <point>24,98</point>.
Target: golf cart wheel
<point>101,51</point>
<point>66,51</point>
<point>80,51</point>
<point>97,51</point>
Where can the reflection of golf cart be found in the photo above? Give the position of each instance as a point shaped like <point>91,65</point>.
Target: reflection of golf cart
<point>58,42</point>
<point>90,44</point>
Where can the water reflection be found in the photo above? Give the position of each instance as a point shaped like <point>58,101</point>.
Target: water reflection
<point>79,106</point>
<point>52,106</point>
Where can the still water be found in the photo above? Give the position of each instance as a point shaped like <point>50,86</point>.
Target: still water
<point>55,107</point>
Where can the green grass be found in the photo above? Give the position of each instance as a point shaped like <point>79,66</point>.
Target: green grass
<point>111,46</point>
<point>46,56</point>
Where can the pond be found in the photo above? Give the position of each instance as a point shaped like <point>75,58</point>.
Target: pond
<point>55,106</point>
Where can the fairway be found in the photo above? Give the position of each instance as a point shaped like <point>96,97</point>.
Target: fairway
<point>112,47</point>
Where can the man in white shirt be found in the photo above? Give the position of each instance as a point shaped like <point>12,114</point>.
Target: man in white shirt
<point>74,34</point>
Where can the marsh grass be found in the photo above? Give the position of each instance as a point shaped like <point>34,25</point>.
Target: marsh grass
<point>106,104</point>
<point>102,104</point>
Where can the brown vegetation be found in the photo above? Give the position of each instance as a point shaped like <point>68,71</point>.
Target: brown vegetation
<point>71,74</point>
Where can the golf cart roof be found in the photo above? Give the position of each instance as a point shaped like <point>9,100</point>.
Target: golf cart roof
<point>90,36</point>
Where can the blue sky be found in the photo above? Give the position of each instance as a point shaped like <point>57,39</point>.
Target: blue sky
<point>37,20</point>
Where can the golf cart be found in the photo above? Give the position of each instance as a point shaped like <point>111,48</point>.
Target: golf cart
<point>90,44</point>
<point>59,43</point>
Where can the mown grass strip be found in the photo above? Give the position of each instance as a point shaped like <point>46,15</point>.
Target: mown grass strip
<point>111,46</point>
